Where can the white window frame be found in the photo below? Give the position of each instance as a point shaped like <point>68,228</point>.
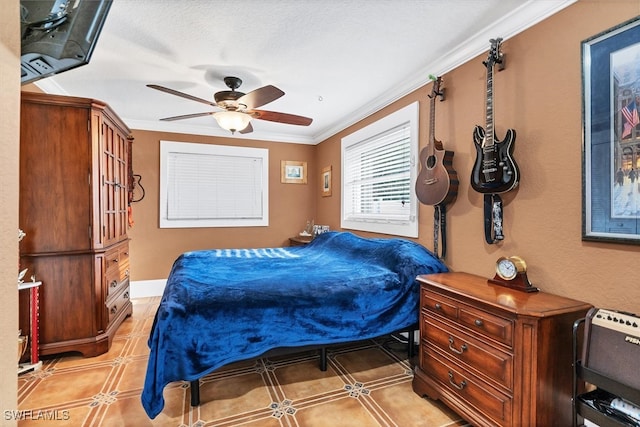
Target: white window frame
<point>260,196</point>
<point>408,115</point>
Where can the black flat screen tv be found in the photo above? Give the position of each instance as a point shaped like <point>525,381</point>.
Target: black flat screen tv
<point>58,35</point>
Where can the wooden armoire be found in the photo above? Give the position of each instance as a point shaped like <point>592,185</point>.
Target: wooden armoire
<point>75,186</point>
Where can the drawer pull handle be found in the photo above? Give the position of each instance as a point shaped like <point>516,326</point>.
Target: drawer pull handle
<point>462,385</point>
<point>125,295</point>
<point>113,284</point>
<point>479,322</point>
<point>114,309</point>
<point>116,260</point>
<point>463,348</point>
<point>438,306</point>
<point>126,273</point>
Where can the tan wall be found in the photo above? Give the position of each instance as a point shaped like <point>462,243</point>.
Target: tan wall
<point>9,144</point>
<point>153,249</point>
<point>538,95</point>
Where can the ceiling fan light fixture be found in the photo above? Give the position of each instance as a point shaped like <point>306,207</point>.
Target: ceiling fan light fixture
<point>232,120</point>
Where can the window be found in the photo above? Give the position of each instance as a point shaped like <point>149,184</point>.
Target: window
<point>379,172</point>
<point>203,185</point>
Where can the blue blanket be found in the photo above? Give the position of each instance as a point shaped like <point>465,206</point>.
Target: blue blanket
<point>226,305</point>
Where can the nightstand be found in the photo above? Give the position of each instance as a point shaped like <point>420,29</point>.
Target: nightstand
<point>300,240</point>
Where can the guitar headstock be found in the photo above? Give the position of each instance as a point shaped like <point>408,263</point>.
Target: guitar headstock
<point>495,56</point>
<point>435,90</point>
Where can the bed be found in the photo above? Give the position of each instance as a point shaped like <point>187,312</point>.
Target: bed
<point>224,305</point>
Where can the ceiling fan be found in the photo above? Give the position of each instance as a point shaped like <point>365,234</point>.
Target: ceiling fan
<point>238,108</point>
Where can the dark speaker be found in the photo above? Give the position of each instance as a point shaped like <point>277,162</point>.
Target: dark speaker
<point>612,345</point>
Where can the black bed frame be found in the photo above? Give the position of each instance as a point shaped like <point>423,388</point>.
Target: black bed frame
<point>195,384</point>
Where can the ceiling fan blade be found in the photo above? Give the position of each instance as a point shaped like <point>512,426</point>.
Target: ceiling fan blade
<point>273,116</point>
<point>248,129</point>
<point>259,97</point>
<point>187,116</point>
<point>181,94</point>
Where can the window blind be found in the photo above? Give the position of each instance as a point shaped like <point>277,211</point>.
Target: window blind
<point>378,177</point>
<point>378,171</point>
<point>203,185</point>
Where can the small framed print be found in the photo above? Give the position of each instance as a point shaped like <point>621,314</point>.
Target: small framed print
<point>325,179</point>
<point>293,172</point>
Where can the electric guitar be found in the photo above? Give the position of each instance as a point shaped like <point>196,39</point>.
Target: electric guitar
<point>437,182</point>
<point>495,170</point>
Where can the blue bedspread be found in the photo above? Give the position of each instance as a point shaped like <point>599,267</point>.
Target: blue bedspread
<point>222,306</point>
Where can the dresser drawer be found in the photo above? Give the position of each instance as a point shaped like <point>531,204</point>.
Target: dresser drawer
<point>477,320</point>
<point>495,327</point>
<point>478,357</point>
<point>465,386</point>
<point>434,303</point>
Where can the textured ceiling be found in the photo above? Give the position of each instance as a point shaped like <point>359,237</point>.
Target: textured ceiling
<point>338,61</point>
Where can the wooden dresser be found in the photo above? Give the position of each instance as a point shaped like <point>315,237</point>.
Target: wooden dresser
<point>497,356</point>
<point>75,176</point>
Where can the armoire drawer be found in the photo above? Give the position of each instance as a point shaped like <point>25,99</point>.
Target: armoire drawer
<point>467,387</point>
<point>123,260</point>
<point>117,268</point>
<point>117,260</point>
<point>118,303</point>
<point>467,350</point>
<point>114,285</point>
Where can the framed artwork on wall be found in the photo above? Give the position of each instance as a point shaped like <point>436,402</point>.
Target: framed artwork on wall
<point>611,144</point>
<point>325,179</point>
<point>293,172</point>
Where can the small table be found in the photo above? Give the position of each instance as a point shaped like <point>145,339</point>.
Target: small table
<point>300,240</point>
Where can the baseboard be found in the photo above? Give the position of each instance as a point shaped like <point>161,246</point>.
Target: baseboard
<point>147,288</point>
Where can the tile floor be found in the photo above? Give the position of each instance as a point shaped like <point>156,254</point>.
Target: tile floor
<point>366,384</point>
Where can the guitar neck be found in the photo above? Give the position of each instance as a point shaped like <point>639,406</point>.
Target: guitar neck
<point>489,134</point>
<point>432,124</point>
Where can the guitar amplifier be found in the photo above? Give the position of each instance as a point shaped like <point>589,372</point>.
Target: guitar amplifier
<point>612,345</point>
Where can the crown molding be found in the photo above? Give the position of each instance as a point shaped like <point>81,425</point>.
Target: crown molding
<point>524,17</point>
<point>185,128</point>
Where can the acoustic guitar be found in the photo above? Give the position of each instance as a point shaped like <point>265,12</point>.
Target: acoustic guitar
<point>494,170</point>
<point>437,182</point>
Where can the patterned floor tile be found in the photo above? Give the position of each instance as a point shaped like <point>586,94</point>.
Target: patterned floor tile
<point>366,384</point>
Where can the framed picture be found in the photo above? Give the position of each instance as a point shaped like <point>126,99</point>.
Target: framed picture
<point>325,179</point>
<point>611,145</point>
<point>293,172</point>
